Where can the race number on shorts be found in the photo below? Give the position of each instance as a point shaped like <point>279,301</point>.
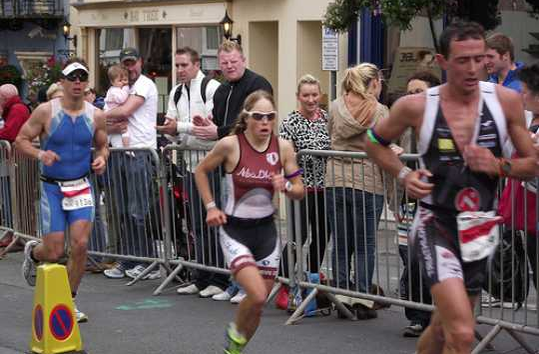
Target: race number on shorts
<point>77,194</point>
<point>478,234</point>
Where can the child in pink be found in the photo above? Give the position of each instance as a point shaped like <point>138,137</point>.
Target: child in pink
<point>116,96</point>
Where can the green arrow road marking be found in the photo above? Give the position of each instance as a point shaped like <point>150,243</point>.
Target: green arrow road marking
<point>147,304</point>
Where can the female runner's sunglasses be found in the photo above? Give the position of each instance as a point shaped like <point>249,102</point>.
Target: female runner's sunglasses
<point>260,115</point>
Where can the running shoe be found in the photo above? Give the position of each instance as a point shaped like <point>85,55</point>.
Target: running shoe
<point>227,294</point>
<point>239,297</point>
<point>235,341</point>
<point>413,330</point>
<point>80,316</point>
<point>117,272</point>
<point>188,290</point>
<point>29,267</point>
<point>137,270</point>
<point>210,291</point>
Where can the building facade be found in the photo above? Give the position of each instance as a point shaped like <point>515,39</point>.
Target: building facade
<point>31,31</point>
<point>282,39</point>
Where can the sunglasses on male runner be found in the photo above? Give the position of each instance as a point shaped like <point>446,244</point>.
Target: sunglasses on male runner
<point>79,74</point>
<point>261,115</point>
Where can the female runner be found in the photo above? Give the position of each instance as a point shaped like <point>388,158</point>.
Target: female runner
<point>253,158</point>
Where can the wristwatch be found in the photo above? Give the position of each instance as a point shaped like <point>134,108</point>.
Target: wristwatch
<point>505,167</point>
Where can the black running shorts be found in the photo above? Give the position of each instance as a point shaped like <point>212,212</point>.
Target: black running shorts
<point>435,242</point>
<point>251,243</point>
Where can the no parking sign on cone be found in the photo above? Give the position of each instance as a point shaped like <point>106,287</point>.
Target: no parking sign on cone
<point>54,326</point>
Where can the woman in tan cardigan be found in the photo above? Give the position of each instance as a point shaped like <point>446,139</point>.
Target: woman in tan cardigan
<point>355,187</point>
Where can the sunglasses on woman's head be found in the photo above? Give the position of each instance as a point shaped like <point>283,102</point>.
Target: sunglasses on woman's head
<point>261,115</point>
<point>81,75</point>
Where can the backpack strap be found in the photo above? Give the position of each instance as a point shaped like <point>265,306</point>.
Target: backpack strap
<point>178,94</point>
<point>203,86</point>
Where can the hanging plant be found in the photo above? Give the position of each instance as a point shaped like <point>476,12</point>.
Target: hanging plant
<point>9,74</point>
<point>44,74</point>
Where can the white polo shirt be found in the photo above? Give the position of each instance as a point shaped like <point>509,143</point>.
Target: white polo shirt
<point>141,125</point>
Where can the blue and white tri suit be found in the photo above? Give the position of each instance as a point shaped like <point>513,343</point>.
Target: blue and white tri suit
<point>71,139</point>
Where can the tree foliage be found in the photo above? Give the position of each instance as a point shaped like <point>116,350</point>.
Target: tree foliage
<point>343,13</point>
<point>534,4</point>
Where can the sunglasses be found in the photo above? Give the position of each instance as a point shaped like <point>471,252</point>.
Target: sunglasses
<point>82,76</point>
<point>261,115</point>
<point>412,92</point>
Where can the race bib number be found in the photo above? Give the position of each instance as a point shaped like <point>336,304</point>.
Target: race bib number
<point>77,194</point>
<point>478,234</point>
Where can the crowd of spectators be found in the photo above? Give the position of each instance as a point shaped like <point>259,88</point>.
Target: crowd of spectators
<point>345,197</point>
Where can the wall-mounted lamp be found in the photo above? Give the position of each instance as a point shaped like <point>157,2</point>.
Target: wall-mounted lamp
<point>66,29</point>
<point>226,23</point>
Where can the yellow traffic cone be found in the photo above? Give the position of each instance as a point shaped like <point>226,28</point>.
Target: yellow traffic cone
<point>54,326</point>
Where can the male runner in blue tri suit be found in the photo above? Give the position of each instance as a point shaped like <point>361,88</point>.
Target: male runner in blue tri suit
<point>66,127</point>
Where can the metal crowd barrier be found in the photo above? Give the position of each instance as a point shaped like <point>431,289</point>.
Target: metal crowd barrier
<point>6,215</point>
<point>6,212</point>
<point>129,213</point>
<point>348,239</point>
<point>348,262</point>
<point>192,245</point>
<point>128,224</point>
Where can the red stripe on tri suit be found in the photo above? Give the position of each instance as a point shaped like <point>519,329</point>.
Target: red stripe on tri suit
<point>70,194</point>
<point>477,231</point>
<point>241,262</point>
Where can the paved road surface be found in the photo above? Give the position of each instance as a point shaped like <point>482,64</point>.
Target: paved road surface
<point>128,320</point>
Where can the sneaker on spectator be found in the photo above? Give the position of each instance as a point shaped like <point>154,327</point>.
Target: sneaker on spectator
<point>413,330</point>
<point>29,267</point>
<point>80,316</point>
<point>137,270</point>
<point>227,294</point>
<point>488,300</point>
<point>117,272</point>
<point>239,297</point>
<point>188,290</point>
<point>210,291</point>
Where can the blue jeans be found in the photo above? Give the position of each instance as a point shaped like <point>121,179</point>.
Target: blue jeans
<point>353,219</point>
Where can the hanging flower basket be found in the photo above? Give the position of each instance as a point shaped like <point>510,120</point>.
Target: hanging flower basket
<point>43,74</point>
<point>9,74</point>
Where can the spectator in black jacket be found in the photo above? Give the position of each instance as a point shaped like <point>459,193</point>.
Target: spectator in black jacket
<point>229,97</point>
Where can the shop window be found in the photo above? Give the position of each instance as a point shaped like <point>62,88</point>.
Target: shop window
<point>114,38</point>
<point>110,42</point>
<point>155,46</point>
<point>206,41</point>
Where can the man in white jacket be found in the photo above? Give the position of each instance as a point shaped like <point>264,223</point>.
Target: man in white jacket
<point>190,100</point>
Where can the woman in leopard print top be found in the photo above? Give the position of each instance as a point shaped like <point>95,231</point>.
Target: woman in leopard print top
<point>306,128</point>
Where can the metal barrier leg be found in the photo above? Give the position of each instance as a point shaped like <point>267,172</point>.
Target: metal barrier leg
<point>298,314</point>
<point>144,273</point>
<point>4,233</point>
<point>91,259</point>
<point>517,337</point>
<point>485,342</point>
<point>167,281</point>
<point>274,292</point>
<point>9,247</point>
<point>341,307</point>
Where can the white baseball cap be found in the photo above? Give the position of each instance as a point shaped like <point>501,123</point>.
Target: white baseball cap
<point>73,67</point>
